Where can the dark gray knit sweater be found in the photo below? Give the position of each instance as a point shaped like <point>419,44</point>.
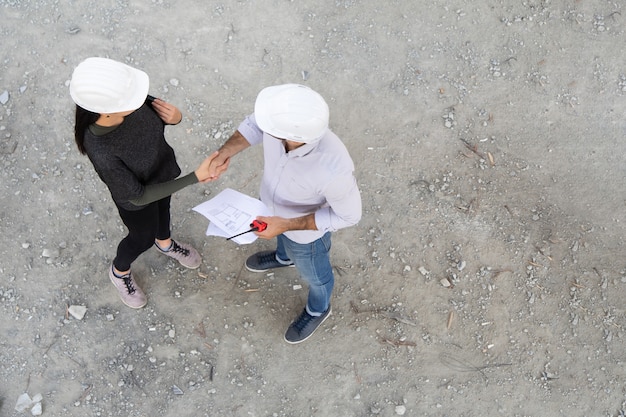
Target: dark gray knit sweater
<point>133,155</point>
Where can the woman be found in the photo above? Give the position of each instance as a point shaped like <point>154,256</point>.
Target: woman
<point>121,129</point>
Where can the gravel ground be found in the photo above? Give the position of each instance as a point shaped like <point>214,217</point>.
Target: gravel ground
<point>486,275</point>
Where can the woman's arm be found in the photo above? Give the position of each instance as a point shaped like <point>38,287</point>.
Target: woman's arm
<point>155,192</point>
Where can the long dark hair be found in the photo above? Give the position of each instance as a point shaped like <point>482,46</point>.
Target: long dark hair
<point>84,118</point>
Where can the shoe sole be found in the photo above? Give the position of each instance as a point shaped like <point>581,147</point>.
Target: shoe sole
<point>133,307</point>
<point>268,269</point>
<point>312,333</point>
<point>189,266</point>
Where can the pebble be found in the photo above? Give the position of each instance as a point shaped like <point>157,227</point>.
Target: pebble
<point>78,312</point>
<point>445,282</point>
<point>23,403</point>
<point>423,270</point>
<point>4,97</point>
<point>50,253</point>
<point>36,410</point>
<point>400,410</point>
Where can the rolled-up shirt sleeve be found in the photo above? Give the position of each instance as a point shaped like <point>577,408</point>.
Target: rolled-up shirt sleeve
<point>250,130</point>
<point>343,208</point>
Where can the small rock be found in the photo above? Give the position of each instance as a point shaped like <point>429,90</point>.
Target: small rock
<point>423,270</point>
<point>176,390</point>
<point>78,312</point>
<point>24,402</point>
<point>174,82</point>
<point>400,410</point>
<point>50,253</point>
<point>445,282</point>
<point>36,410</point>
<point>4,97</point>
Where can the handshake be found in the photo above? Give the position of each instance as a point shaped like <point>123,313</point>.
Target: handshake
<point>212,167</point>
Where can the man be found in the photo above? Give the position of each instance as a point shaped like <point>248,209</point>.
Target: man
<point>308,184</point>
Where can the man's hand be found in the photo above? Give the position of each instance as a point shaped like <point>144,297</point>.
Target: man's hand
<point>218,165</point>
<point>278,225</point>
<point>167,112</point>
<point>235,144</point>
<point>206,173</point>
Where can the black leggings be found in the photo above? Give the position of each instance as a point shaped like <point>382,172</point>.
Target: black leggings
<point>144,226</point>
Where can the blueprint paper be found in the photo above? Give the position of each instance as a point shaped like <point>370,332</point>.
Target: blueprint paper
<point>231,212</point>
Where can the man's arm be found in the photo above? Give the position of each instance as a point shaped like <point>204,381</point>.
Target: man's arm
<point>344,209</point>
<point>278,225</point>
<point>235,144</point>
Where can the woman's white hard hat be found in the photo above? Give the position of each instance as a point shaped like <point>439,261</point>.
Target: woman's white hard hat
<point>293,112</point>
<point>102,85</point>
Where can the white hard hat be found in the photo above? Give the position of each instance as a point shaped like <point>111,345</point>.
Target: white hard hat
<point>102,85</point>
<point>291,111</point>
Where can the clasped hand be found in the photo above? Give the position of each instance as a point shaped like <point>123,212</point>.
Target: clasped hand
<point>211,168</point>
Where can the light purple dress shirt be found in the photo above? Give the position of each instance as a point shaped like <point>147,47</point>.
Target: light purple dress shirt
<point>314,178</point>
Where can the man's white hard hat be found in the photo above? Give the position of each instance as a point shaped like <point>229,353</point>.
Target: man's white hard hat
<point>102,85</point>
<point>293,112</point>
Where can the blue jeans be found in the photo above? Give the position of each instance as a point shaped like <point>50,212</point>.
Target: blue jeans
<point>313,263</point>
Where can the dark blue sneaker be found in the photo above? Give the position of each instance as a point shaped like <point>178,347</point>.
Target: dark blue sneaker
<point>262,261</point>
<point>304,326</point>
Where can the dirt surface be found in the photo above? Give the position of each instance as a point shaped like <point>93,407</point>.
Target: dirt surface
<point>487,274</point>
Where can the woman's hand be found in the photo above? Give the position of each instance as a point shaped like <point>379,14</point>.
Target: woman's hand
<point>207,171</point>
<point>167,112</point>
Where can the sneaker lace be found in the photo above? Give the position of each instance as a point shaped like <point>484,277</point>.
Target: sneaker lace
<point>179,249</point>
<point>303,321</point>
<point>128,282</point>
<point>267,258</point>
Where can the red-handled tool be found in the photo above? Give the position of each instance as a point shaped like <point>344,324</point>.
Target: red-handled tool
<point>255,226</point>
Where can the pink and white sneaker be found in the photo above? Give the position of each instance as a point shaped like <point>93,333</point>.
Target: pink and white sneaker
<point>184,253</point>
